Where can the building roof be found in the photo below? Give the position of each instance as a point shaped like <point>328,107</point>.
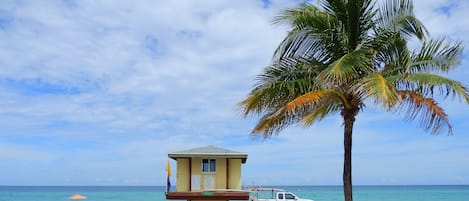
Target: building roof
<point>209,151</point>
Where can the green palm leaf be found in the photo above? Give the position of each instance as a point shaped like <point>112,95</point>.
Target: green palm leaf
<point>436,56</point>
<point>429,84</point>
<point>397,15</point>
<point>379,88</point>
<point>347,68</point>
<point>321,111</point>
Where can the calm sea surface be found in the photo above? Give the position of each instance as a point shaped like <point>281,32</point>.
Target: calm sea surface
<point>318,193</point>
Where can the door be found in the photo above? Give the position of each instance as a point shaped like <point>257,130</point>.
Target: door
<point>209,168</point>
<point>209,181</point>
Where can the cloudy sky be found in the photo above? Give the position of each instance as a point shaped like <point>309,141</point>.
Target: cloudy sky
<point>98,92</point>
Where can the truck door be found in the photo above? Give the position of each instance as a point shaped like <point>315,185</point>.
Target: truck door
<point>280,197</point>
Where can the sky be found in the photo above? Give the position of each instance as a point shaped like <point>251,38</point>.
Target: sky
<point>98,92</point>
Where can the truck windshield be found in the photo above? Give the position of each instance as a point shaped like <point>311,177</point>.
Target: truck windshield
<point>289,196</point>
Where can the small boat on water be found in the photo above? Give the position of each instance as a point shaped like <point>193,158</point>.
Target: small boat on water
<point>77,197</point>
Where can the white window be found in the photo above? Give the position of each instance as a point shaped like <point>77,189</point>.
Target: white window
<point>209,165</point>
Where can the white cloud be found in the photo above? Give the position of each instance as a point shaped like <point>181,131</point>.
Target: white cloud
<point>9,151</point>
<point>117,85</point>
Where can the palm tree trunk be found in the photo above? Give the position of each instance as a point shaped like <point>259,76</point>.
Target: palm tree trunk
<point>349,119</point>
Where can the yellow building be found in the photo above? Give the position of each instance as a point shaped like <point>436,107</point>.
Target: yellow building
<point>208,173</point>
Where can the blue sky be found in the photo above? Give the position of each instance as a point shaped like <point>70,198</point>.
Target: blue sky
<point>98,92</point>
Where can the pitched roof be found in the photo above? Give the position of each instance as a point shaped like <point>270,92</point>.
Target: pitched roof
<point>209,151</point>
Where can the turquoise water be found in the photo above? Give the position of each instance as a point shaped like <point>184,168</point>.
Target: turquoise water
<point>318,193</point>
<point>385,193</point>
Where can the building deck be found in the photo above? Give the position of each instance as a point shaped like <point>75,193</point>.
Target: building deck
<point>208,195</point>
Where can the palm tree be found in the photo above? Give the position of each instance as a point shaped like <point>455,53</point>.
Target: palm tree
<point>338,56</point>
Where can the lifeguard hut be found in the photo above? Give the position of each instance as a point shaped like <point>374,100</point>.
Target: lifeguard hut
<point>208,173</point>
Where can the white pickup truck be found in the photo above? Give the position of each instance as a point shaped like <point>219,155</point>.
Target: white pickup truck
<point>273,194</point>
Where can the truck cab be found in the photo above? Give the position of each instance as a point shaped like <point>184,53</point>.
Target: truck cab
<point>271,194</point>
<point>283,196</point>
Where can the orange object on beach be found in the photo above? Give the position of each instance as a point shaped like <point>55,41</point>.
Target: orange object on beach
<point>77,197</point>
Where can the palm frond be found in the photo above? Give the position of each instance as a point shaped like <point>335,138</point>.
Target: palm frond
<point>432,117</point>
<point>354,19</point>
<point>358,21</point>
<point>382,91</point>
<point>315,34</point>
<point>436,56</point>
<point>305,15</point>
<point>297,109</point>
<point>271,124</point>
<point>335,7</point>
<point>429,84</point>
<point>392,54</point>
<point>290,69</point>
<point>349,67</point>
<point>397,15</point>
<point>262,100</point>
<point>281,83</point>
<point>322,111</point>
<point>311,99</point>
<point>302,44</point>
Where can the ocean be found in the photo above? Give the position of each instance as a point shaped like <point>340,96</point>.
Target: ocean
<point>317,193</point>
